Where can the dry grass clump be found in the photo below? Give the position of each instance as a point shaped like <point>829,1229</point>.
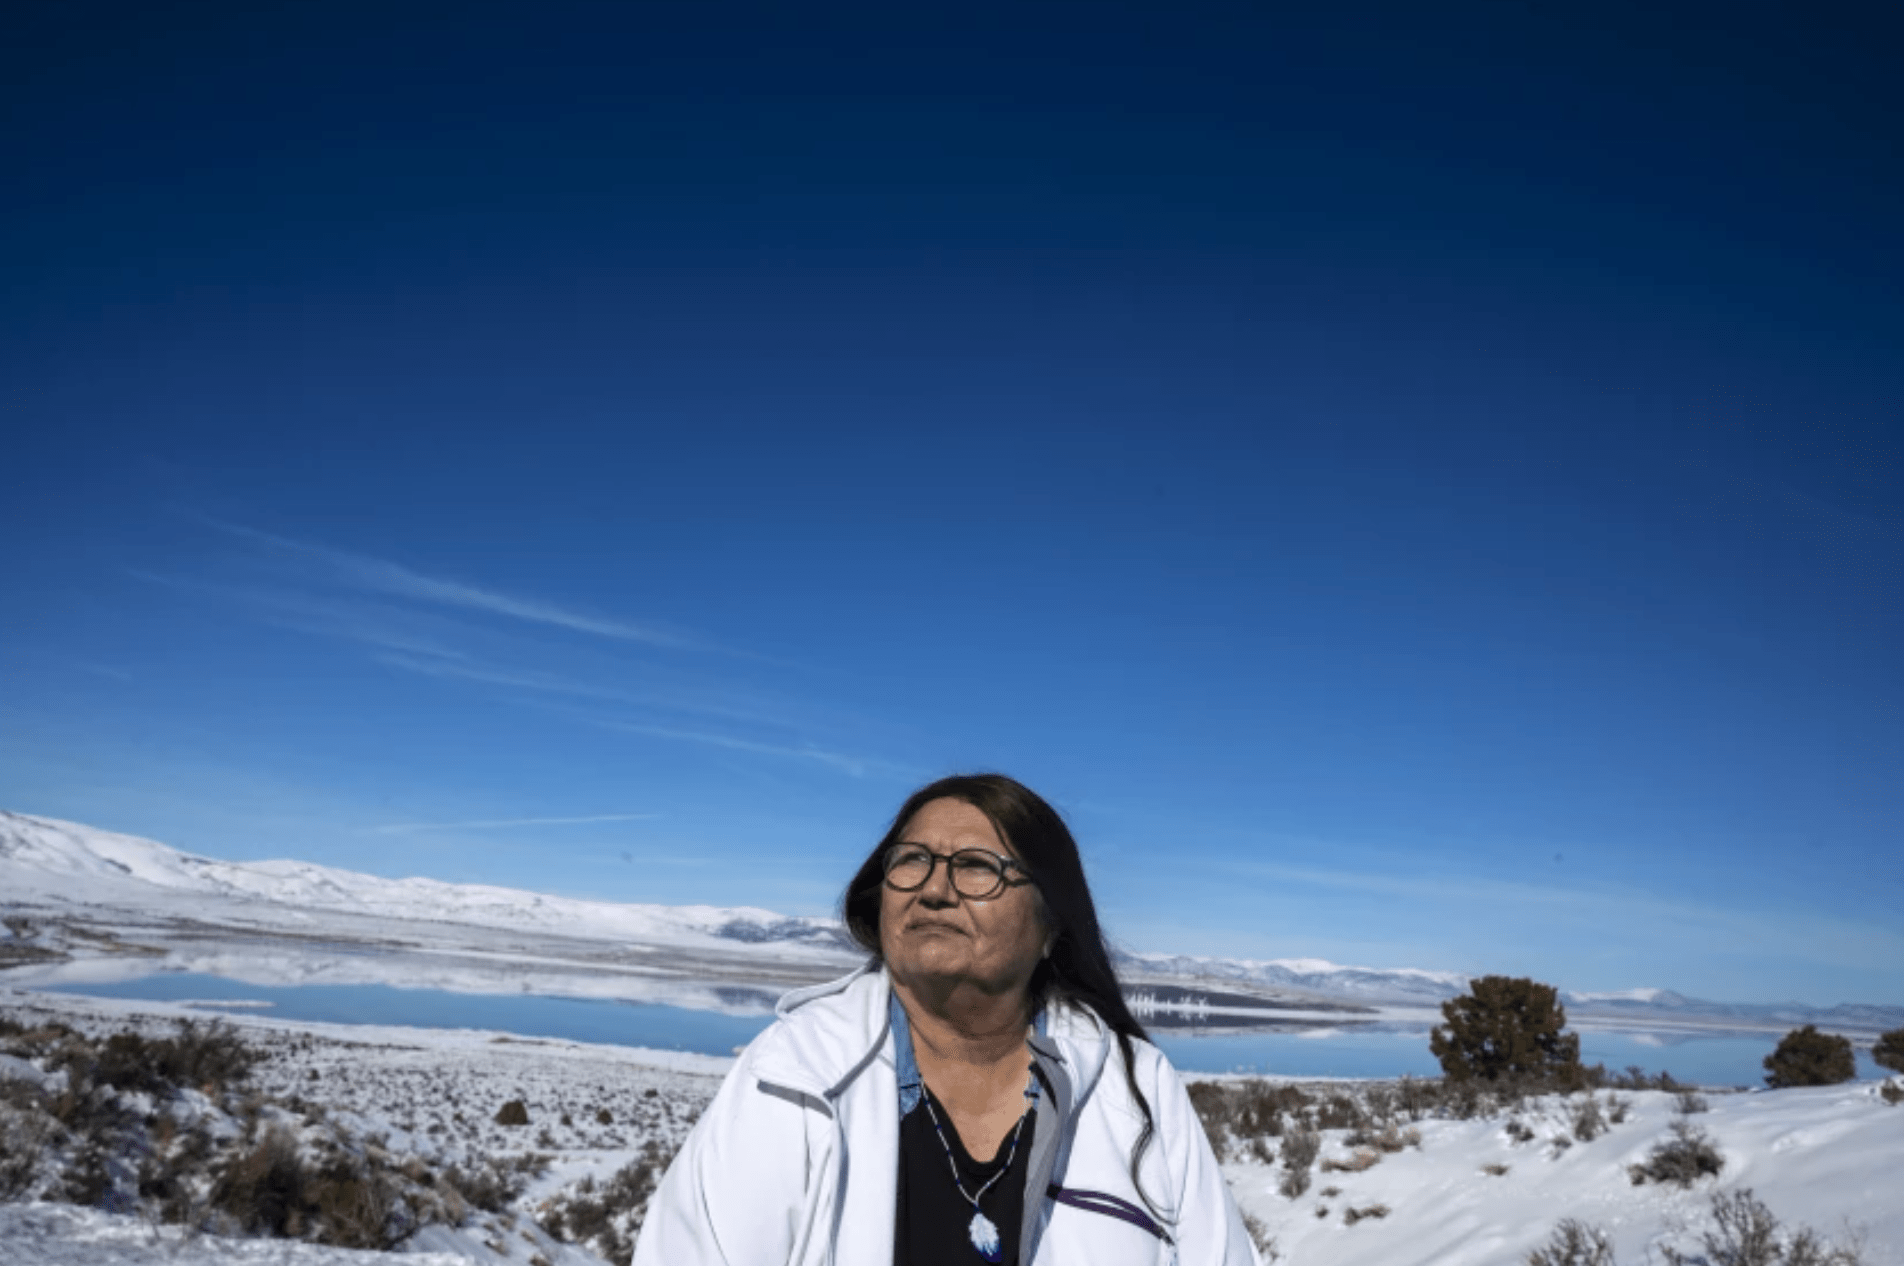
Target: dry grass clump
<point>1391,1138</point>
<point>1362,1158</point>
<point>1351,1216</point>
<point>1495,1169</point>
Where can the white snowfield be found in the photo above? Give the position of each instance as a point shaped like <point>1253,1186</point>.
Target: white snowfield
<point>1829,1158</point>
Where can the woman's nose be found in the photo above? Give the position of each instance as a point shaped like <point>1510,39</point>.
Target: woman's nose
<point>939,888</point>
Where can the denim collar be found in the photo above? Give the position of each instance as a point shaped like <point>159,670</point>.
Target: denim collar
<point>911,1084</point>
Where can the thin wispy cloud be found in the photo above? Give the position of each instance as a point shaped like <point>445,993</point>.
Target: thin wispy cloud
<point>695,703</point>
<point>857,766</point>
<point>364,623</point>
<point>416,623</point>
<point>501,824</point>
<point>380,575</point>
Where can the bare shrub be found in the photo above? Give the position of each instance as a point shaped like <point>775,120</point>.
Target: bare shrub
<point>1299,1150</point>
<point>1683,1159</point>
<point>1892,1093</point>
<point>1340,1112</point>
<point>1382,1102</point>
<point>607,1217</point>
<point>486,1186</point>
<point>1248,1110</point>
<point>357,1206</point>
<point>1351,1216</point>
<point>23,1137</point>
<point>1637,1078</point>
<point>1617,1109</point>
<point>1516,1131</point>
<point>1690,1102</point>
<point>1745,1233</point>
<point>201,1057</point>
<point>1589,1123</point>
<point>263,1190</point>
<point>1415,1098</point>
<point>1495,1170</point>
<point>515,1112</point>
<point>1574,1243</point>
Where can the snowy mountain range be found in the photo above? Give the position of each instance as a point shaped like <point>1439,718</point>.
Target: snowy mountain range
<point>69,891</point>
<point>43,860</point>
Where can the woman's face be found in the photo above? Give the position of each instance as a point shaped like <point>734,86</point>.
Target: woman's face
<point>936,933</point>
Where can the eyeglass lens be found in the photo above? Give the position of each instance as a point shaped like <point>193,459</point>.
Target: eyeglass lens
<point>974,873</point>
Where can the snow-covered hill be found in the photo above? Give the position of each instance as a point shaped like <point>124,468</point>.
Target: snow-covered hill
<point>43,860</point>
<point>1404,986</point>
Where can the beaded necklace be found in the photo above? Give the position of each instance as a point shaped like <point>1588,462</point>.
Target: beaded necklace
<point>982,1230</point>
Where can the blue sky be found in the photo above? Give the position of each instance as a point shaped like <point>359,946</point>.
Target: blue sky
<point>1415,491</point>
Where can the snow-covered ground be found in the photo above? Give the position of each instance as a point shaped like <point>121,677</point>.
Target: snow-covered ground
<point>1827,1158</point>
<point>431,1095</point>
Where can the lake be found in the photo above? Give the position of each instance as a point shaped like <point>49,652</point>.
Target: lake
<point>1727,1060</point>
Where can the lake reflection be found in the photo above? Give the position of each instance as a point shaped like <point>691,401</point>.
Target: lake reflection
<point>1370,1051</point>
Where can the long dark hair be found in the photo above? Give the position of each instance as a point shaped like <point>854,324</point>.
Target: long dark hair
<point>1078,969</point>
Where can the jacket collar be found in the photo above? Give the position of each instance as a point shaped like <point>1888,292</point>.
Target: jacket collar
<point>829,1034</point>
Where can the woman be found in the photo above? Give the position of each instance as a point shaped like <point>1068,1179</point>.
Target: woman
<point>977,1092</point>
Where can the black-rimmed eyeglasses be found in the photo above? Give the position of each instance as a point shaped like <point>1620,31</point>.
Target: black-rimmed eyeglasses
<point>976,873</point>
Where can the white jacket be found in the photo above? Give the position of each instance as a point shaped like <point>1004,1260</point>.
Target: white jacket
<point>795,1162</point>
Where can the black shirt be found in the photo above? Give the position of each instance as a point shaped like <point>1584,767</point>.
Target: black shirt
<point>933,1226</point>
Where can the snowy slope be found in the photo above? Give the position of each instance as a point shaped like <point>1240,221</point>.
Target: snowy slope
<point>1825,1157</point>
<point>45,860</point>
<point>1408,986</point>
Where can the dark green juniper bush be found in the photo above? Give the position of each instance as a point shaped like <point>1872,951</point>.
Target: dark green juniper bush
<point>1806,1057</point>
<point>1508,1027</point>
